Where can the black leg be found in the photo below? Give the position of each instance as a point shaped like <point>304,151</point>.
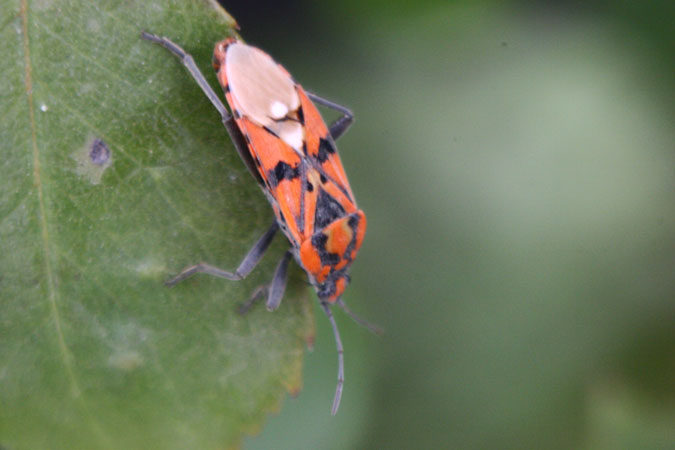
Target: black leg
<point>242,148</point>
<point>249,262</point>
<point>230,125</point>
<point>258,293</point>
<point>278,286</point>
<point>341,125</point>
<point>273,291</point>
<point>189,63</point>
<point>341,363</point>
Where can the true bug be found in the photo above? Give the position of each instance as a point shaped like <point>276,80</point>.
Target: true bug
<point>285,144</point>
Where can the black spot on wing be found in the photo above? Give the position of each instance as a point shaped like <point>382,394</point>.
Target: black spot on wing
<point>353,223</point>
<point>282,171</point>
<point>326,147</point>
<point>327,210</point>
<point>300,220</point>
<point>319,243</point>
<point>270,131</point>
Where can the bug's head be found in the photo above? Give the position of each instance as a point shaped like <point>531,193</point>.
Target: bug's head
<point>327,255</point>
<point>333,286</point>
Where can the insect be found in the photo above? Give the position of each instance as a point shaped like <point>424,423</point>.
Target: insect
<point>285,144</point>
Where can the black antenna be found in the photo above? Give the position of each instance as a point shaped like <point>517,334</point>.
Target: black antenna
<point>364,323</point>
<point>341,363</point>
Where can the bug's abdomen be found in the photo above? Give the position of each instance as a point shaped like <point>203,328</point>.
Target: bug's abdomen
<point>333,248</point>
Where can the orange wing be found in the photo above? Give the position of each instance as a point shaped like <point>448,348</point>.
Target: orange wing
<point>281,168</point>
<point>320,145</point>
<point>308,191</point>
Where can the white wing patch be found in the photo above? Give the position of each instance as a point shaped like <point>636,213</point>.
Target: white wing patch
<point>264,92</point>
<point>278,110</point>
<point>292,133</point>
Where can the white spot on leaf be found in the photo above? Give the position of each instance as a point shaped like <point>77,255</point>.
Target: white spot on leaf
<point>93,25</point>
<point>126,360</point>
<point>150,268</point>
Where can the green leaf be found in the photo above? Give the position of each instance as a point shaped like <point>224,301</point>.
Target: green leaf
<point>94,351</point>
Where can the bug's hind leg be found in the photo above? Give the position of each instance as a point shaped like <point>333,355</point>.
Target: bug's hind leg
<point>278,286</point>
<point>257,294</point>
<point>273,291</point>
<point>249,262</point>
<point>341,125</point>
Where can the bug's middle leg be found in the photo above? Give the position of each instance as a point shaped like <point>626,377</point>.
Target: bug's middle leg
<point>249,262</point>
<point>341,125</point>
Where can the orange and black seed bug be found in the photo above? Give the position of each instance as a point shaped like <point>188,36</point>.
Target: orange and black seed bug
<point>289,150</point>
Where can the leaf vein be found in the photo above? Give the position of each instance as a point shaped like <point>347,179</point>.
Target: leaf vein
<point>44,230</point>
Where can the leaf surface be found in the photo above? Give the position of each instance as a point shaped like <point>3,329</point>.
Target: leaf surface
<point>116,173</point>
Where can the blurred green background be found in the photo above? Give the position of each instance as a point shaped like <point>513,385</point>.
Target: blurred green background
<point>515,160</point>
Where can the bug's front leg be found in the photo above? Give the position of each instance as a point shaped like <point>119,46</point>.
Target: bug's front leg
<point>228,120</point>
<point>190,65</point>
